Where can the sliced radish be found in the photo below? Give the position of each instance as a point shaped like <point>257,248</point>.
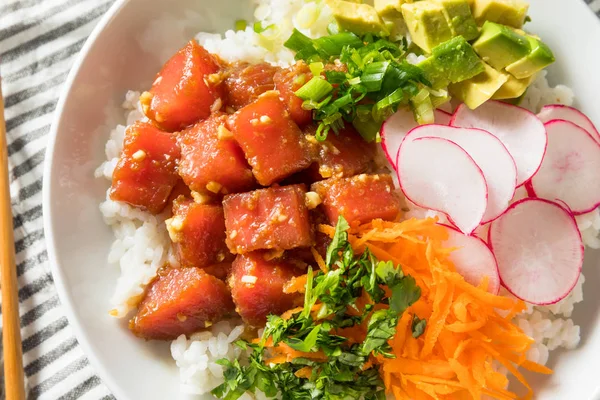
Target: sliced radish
<point>393,131</point>
<point>442,117</point>
<point>570,168</point>
<point>438,174</point>
<point>559,111</point>
<point>521,131</point>
<point>538,249</point>
<point>396,127</point>
<point>473,259</point>
<point>496,163</point>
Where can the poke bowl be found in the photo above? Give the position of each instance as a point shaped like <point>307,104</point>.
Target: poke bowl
<point>332,199</point>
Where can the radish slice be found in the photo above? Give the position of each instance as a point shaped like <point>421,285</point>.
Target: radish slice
<point>559,111</point>
<point>396,127</point>
<point>442,117</point>
<point>393,131</point>
<point>438,174</point>
<point>496,163</point>
<point>570,167</point>
<point>538,249</point>
<point>473,259</point>
<point>522,132</point>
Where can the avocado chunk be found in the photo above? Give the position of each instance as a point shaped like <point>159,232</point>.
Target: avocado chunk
<point>426,23</point>
<point>513,88</point>
<point>461,21</point>
<point>538,58</point>
<point>451,62</point>
<point>357,18</point>
<point>500,45</point>
<point>479,89</point>
<point>505,12</point>
<point>390,8</point>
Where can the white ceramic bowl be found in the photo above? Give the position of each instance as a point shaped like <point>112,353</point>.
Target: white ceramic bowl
<point>117,58</point>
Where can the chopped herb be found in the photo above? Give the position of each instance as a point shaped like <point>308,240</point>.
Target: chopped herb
<point>337,291</point>
<point>418,326</point>
<point>260,28</point>
<point>375,82</point>
<point>241,24</point>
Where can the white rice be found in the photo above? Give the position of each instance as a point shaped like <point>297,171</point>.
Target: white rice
<point>142,244</point>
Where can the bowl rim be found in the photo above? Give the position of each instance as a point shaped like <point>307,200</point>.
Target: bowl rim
<point>57,274</point>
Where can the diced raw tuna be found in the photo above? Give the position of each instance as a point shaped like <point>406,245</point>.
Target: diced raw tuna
<point>274,218</point>
<point>146,172</point>
<point>273,144</point>
<point>181,301</point>
<point>342,155</point>
<point>289,80</point>
<point>220,271</point>
<point>245,82</point>
<point>361,198</point>
<point>185,90</point>
<point>180,189</point>
<point>257,287</point>
<point>211,160</point>
<point>198,233</point>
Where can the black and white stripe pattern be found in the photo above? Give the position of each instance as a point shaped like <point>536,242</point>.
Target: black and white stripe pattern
<point>38,42</point>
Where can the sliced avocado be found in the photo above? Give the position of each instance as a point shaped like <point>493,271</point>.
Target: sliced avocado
<point>390,8</point>
<point>513,88</point>
<point>500,45</point>
<point>479,89</point>
<point>426,23</point>
<point>538,58</point>
<point>505,12</point>
<point>357,18</point>
<point>458,14</point>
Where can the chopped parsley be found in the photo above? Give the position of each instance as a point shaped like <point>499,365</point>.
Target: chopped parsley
<point>377,81</point>
<point>344,374</point>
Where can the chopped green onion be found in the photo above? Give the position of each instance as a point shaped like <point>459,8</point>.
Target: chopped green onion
<point>368,129</point>
<point>422,107</point>
<point>241,24</point>
<point>259,28</point>
<point>333,28</point>
<point>329,46</point>
<point>354,81</point>
<point>335,77</point>
<point>316,68</point>
<point>315,89</point>
<point>298,41</point>
<point>372,77</point>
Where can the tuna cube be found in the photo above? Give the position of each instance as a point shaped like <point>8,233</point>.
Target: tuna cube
<point>211,160</point>
<point>340,155</point>
<point>181,302</point>
<point>274,218</point>
<point>289,80</point>
<point>257,287</point>
<point>186,90</point>
<point>359,199</point>
<point>273,144</point>
<point>198,233</point>
<point>146,172</point>
<point>245,82</point>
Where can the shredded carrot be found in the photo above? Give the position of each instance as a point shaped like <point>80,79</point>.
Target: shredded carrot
<point>295,285</point>
<point>305,372</point>
<point>319,260</point>
<point>465,334</point>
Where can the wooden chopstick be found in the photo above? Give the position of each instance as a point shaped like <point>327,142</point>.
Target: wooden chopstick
<point>11,322</point>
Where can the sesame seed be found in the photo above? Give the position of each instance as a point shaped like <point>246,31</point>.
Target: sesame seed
<point>254,121</point>
<point>158,117</point>
<point>223,133</point>
<point>216,106</point>
<point>139,155</point>
<point>281,217</point>
<point>214,187</point>
<point>312,200</point>
<point>249,279</point>
<point>181,317</point>
<point>157,80</point>
<point>265,119</point>
<point>200,198</point>
<point>233,234</point>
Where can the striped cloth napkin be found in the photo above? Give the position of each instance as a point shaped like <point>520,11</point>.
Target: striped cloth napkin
<point>39,40</point>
